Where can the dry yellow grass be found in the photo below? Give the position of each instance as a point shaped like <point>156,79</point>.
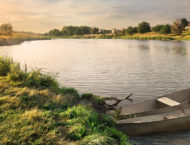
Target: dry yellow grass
<point>21,35</point>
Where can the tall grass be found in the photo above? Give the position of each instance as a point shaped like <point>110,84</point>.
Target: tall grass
<point>35,110</point>
<point>36,79</point>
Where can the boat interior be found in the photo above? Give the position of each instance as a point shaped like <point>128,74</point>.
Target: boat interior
<point>169,106</point>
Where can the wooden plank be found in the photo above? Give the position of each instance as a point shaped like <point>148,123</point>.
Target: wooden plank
<point>168,101</point>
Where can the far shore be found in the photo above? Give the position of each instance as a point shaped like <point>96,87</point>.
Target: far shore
<point>18,38</point>
<point>145,36</point>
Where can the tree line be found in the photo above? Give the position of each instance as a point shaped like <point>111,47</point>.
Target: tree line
<point>176,28</point>
<point>74,30</point>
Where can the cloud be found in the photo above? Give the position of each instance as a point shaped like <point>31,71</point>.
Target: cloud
<point>42,15</point>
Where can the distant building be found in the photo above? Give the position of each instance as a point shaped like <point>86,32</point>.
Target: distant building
<point>114,31</point>
<point>101,31</point>
<point>188,26</point>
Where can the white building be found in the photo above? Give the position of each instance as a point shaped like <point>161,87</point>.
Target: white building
<point>114,31</point>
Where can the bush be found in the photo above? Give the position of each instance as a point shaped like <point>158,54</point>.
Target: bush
<point>143,27</point>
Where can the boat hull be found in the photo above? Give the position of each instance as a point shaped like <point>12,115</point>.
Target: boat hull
<point>169,125</point>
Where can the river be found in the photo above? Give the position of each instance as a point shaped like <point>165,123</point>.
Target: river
<point>113,68</point>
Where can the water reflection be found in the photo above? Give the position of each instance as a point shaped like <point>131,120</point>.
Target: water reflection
<point>144,47</point>
<point>180,48</point>
<point>177,47</point>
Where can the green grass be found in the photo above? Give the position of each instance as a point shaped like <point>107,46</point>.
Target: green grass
<point>34,110</point>
<point>137,36</point>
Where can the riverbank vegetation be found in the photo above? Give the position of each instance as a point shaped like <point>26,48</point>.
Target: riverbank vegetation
<point>36,110</point>
<point>178,30</point>
<point>9,37</point>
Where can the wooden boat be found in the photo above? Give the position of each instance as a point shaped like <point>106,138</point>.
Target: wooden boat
<point>168,113</point>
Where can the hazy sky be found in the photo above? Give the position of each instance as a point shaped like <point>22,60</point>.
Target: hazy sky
<point>42,15</point>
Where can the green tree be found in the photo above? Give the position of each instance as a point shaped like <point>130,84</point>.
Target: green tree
<point>94,30</point>
<point>131,30</point>
<point>166,29</point>
<point>143,27</point>
<point>77,31</point>
<point>85,30</point>
<point>6,29</point>
<point>55,32</point>
<point>64,31</point>
<point>157,28</point>
<point>184,22</point>
<point>177,27</point>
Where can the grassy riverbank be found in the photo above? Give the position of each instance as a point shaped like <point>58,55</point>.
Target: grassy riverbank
<point>19,37</point>
<point>137,36</point>
<point>36,110</point>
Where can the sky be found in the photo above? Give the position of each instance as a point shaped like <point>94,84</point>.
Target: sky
<point>43,15</point>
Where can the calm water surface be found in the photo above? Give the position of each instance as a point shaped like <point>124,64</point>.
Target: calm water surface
<point>113,68</point>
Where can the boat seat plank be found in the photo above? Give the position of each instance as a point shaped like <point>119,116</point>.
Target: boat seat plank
<point>168,102</point>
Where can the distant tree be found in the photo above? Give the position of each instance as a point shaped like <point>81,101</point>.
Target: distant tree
<point>77,31</point>
<point>143,27</point>
<point>55,32</point>
<point>6,29</point>
<point>94,30</point>
<point>157,28</point>
<point>85,30</point>
<point>184,22</point>
<point>166,29</point>
<point>64,31</point>
<point>131,30</point>
<point>70,30</point>
<point>177,26</point>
